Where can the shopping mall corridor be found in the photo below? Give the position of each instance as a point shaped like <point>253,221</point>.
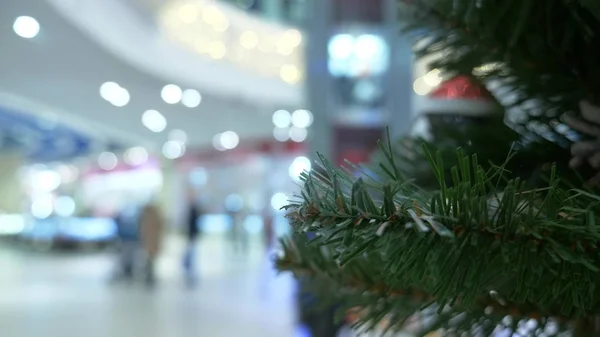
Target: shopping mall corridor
<point>67,294</point>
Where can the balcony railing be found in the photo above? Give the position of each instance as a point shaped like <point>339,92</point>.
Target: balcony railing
<point>222,31</point>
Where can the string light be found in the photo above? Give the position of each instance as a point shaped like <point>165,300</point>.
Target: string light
<point>188,13</point>
<point>249,39</point>
<point>211,14</point>
<point>292,37</point>
<point>420,87</point>
<point>209,30</point>
<point>289,73</point>
<point>433,78</point>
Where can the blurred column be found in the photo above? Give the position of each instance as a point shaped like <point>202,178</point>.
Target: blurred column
<point>168,197</point>
<point>11,189</point>
<point>318,86</point>
<point>358,76</point>
<point>401,106</point>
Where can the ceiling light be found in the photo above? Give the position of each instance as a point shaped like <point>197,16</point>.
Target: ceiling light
<point>173,149</point>
<point>115,94</point>
<point>191,98</point>
<point>188,13</point>
<point>108,90</point>
<point>217,142</point>
<point>26,27</point>
<point>154,121</point>
<point>282,118</point>
<point>121,98</point>
<point>107,161</point>
<point>292,37</point>
<point>289,73</point>
<point>341,46</point>
<point>302,118</point>
<point>229,140</point>
<point>211,14</point>
<point>178,136</point>
<point>278,201</point>
<point>369,46</point>
<point>298,166</point>
<point>46,180</point>
<point>136,156</point>
<point>249,39</point>
<point>298,135</point>
<point>171,94</point>
<point>281,134</point>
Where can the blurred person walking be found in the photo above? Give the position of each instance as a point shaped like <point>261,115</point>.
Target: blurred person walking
<point>270,240</point>
<point>239,237</point>
<point>127,221</point>
<point>192,233</point>
<point>270,237</point>
<point>151,230</point>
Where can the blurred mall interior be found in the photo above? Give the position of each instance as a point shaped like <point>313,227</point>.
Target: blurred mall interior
<point>206,110</point>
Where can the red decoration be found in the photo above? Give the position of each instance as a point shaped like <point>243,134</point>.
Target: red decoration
<point>460,87</point>
<point>355,143</point>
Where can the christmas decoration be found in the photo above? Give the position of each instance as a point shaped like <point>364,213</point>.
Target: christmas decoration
<point>458,102</point>
<point>461,87</point>
<point>485,230</point>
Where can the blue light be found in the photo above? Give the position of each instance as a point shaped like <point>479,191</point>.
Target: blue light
<point>234,203</point>
<point>253,224</point>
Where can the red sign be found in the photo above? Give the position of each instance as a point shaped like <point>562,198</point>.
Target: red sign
<point>355,144</point>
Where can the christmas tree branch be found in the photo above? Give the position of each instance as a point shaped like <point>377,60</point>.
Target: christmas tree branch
<point>514,56</point>
<point>453,246</point>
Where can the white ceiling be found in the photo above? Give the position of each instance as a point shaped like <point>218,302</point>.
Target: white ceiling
<point>59,73</point>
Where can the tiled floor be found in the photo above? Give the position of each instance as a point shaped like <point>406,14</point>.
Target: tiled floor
<point>65,294</point>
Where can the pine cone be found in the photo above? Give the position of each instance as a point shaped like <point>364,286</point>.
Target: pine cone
<point>587,150</point>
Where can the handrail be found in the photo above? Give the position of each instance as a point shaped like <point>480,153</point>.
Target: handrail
<point>132,41</point>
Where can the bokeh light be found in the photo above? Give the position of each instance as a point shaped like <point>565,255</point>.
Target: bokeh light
<point>171,94</point>
<point>26,27</point>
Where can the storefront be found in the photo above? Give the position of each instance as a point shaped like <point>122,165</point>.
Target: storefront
<point>252,181</point>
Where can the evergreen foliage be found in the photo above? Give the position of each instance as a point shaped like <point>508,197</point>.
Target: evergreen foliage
<point>485,227</point>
